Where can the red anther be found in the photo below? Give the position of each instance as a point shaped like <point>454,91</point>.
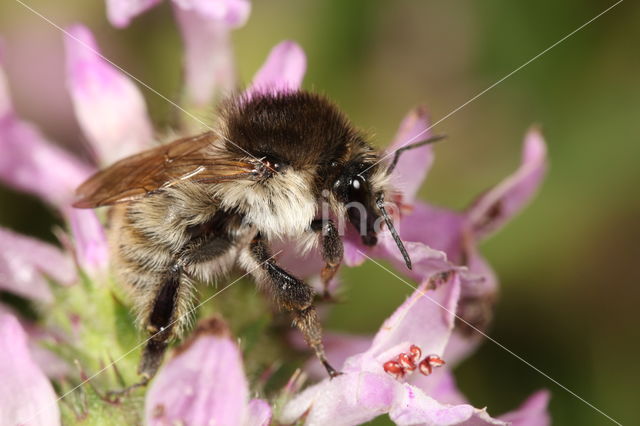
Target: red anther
<point>424,367</point>
<point>435,361</point>
<point>415,352</point>
<point>394,368</point>
<point>407,362</point>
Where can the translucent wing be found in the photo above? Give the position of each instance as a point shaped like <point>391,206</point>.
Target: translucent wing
<point>141,174</point>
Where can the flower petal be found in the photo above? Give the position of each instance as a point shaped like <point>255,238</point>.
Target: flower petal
<point>92,248</point>
<point>412,406</point>
<point>440,385</point>
<point>26,396</point>
<point>283,70</point>
<point>354,250</point>
<point>27,159</point>
<point>25,261</point>
<point>357,397</point>
<point>258,414</point>
<point>209,64</point>
<point>426,318</point>
<point>120,12</point>
<point>203,384</point>
<point>412,168</point>
<point>231,13</point>
<point>349,399</point>
<point>436,227</point>
<point>533,412</point>
<point>110,108</point>
<point>493,209</point>
<point>426,261</point>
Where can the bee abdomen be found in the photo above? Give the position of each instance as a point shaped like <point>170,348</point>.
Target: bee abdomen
<point>144,266</point>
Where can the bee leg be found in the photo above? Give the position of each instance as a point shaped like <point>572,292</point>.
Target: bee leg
<point>331,248</point>
<point>160,323</point>
<point>159,327</point>
<point>290,293</point>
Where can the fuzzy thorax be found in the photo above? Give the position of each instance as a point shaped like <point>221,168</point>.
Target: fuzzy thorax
<point>278,207</point>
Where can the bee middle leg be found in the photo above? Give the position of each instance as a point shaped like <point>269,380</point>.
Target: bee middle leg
<point>289,293</point>
<point>331,248</point>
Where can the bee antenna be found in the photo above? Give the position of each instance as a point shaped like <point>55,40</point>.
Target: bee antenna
<point>396,154</point>
<point>392,229</point>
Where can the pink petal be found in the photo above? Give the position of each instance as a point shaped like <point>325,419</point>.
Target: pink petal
<point>92,248</point>
<point>231,13</point>
<point>26,396</point>
<point>425,319</point>
<point>203,384</point>
<point>259,413</point>
<point>412,406</point>
<point>432,236</point>
<point>413,166</point>
<point>120,12</point>
<point>110,108</point>
<point>358,397</point>
<point>439,228</point>
<point>49,363</point>
<point>533,412</point>
<point>349,399</point>
<point>354,250</point>
<point>283,70</point>
<point>209,64</point>
<point>461,345</point>
<point>426,261</point>
<point>52,366</point>
<point>440,385</point>
<point>25,262</point>
<point>493,209</point>
<point>32,164</point>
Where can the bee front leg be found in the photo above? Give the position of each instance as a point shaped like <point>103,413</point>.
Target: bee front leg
<point>289,293</point>
<point>331,248</point>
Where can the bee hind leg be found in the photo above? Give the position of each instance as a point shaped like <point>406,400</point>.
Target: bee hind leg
<point>160,327</point>
<point>289,293</point>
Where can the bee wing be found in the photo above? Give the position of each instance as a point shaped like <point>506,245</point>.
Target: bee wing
<point>136,176</point>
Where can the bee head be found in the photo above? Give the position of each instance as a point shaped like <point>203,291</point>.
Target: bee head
<point>361,188</point>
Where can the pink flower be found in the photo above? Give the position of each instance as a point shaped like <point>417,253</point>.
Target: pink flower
<point>33,164</point>
<point>26,394</point>
<point>109,106</point>
<point>283,70</point>
<point>435,235</point>
<point>26,262</point>
<point>204,383</point>
<point>366,390</point>
<point>205,26</point>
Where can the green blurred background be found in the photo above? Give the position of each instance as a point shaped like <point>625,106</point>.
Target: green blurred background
<point>570,281</point>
